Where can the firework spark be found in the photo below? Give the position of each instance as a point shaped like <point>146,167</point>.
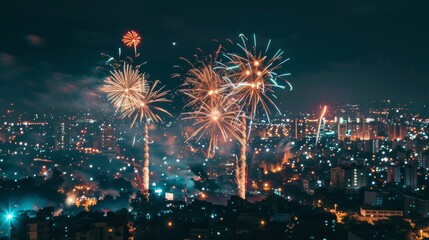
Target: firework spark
<point>202,83</point>
<point>116,63</point>
<point>129,92</point>
<point>124,87</point>
<point>253,76</point>
<point>144,106</point>
<point>131,39</point>
<point>320,123</point>
<point>215,117</point>
<point>201,79</point>
<point>214,114</point>
<point>144,109</point>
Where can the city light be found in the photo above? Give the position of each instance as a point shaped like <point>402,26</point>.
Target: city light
<point>220,148</point>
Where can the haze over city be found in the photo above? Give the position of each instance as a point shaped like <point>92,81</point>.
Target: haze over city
<point>214,120</point>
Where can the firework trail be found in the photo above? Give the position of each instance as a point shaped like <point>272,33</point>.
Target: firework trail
<point>125,87</point>
<point>253,75</point>
<point>213,113</point>
<point>145,106</point>
<point>320,123</point>
<point>241,166</point>
<point>145,109</point>
<point>132,39</point>
<point>130,93</point>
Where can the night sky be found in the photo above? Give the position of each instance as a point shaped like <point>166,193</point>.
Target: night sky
<point>343,51</point>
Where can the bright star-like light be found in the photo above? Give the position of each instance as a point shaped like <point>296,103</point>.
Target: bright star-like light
<point>9,216</point>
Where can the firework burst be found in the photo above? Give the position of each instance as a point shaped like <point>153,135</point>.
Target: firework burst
<point>129,92</point>
<point>201,80</point>
<point>216,118</point>
<point>215,115</point>
<point>124,87</point>
<point>202,83</point>
<point>253,75</point>
<point>132,39</point>
<point>144,106</point>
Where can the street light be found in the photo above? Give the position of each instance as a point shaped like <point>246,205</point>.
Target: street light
<point>9,218</point>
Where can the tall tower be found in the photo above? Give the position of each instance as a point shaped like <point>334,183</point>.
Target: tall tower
<point>108,138</point>
<point>62,136</point>
<point>299,129</point>
<point>396,131</point>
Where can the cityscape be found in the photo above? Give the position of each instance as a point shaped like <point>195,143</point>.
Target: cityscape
<point>234,141</point>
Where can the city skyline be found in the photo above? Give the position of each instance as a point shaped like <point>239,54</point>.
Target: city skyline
<point>214,120</point>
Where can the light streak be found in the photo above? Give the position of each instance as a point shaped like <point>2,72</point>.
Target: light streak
<point>320,123</point>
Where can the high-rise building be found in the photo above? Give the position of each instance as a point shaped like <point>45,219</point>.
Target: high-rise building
<point>311,126</point>
<point>394,174</point>
<point>416,204</point>
<point>299,129</point>
<point>348,177</point>
<point>406,175</point>
<point>375,146</point>
<point>373,198</point>
<point>410,175</point>
<point>425,159</point>
<point>62,136</point>
<point>108,138</point>
<point>337,177</point>
<point>396,131</point>
<point>342,131</point>
<point>361,130</point>
<point>38,227</point>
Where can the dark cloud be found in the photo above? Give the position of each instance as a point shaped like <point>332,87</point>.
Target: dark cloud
<point>34,40</point>
<point>41,84</point>
<point>357,80</point>
<point>341,50</point>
